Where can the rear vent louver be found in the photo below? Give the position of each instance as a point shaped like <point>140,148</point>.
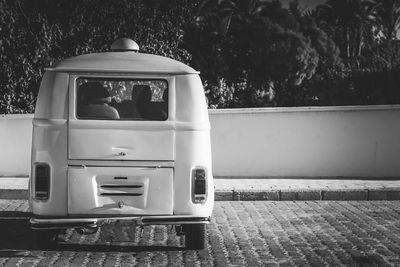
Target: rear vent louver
<point>121,190</point>
<point>42,181</point>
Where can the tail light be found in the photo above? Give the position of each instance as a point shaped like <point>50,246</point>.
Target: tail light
<point>199,194</point>
<point>42,181</point>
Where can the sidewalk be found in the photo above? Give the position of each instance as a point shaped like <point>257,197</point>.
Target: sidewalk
<point>266,189</point>
<point>306,189</point>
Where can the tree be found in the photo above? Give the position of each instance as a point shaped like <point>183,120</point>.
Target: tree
<point>347,21</point>
<point>258,47</point>
<point>367,32</point>
<point>26,44</point>
<point>386,14</point>
<point>384,44</point>
<point>330,72</point>
<point>36,33</point>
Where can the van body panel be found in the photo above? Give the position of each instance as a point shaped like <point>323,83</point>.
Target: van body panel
<point>192,150</point>
<point>120,140</point>
<point>49,143</point>
<point>192,145</point>
<point>120,191</point>
<point>49,146</point>
<point>52,100</point>
<point>190,100</point>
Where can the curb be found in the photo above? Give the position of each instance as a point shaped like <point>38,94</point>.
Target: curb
<point>14,194</point>
<point>277,195</point>
<point>283,195</point>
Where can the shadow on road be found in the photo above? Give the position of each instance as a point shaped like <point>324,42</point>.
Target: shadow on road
<point>16,235</point>
<point>111,248</point>
<point>14,215</point>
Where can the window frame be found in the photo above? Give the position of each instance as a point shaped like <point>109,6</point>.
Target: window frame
<point>105,77</point>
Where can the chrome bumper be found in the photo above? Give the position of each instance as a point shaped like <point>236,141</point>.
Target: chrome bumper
<point>63,223</point>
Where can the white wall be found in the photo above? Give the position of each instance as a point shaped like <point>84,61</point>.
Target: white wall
<point>310,142</point>
<point>15,144</point>
<point>270,142</point>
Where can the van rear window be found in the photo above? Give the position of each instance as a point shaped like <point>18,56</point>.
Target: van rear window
<point>121,99</point>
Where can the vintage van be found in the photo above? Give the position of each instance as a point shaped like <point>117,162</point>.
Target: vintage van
<point>121,135</point>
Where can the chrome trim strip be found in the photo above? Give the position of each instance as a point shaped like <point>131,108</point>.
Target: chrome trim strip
<point>121,186</point>
<point>121,163</point>
<point>37,223</point>
<point>63,220</point>
<point>122,194</point>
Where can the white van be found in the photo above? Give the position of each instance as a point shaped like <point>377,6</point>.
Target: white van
<point>121,135</point>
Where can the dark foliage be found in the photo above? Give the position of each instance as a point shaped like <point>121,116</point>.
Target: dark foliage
<point>250,53</point>
<point>37,33</point>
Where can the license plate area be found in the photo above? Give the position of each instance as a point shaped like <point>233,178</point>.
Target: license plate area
<point>120,191</point>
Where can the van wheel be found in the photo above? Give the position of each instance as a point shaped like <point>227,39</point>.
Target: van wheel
<point>195,236</point>
<point>44,238</point>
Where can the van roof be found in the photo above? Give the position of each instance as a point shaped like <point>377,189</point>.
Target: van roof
<point>123,62</point>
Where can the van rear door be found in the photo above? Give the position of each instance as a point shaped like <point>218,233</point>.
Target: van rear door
<point>120,119</point>
<point>120,146</point>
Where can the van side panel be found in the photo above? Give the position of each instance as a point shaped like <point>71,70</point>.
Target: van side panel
<point>193,150</point>
<point>49,143</point>
<point>190,102</point>
<point>192,145</point>
<point>52,100</point>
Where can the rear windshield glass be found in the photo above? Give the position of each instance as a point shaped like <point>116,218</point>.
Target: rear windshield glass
<point>122,99</point>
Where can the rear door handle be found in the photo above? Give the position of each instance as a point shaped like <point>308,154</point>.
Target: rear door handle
<point>121,151</point>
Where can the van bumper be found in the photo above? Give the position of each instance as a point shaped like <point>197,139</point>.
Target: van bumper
<point>63,223</point>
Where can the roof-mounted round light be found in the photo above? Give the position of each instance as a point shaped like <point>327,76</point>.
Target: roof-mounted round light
<point>125,45</point>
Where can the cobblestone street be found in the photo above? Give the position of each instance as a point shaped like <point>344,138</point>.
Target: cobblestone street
<point>315,233</point>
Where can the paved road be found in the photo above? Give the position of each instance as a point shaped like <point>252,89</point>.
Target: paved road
<point>316,233</point>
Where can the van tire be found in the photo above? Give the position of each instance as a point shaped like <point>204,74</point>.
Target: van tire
<point>44,238</point>
<point>195,236</point>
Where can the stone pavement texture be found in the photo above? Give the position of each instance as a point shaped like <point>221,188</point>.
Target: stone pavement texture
<point>241,233</point>
<point>267,189</point>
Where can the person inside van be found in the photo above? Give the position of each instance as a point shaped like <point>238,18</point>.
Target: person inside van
<point>94,102</point>
<point>148,109</point>
<point>128,107</point>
